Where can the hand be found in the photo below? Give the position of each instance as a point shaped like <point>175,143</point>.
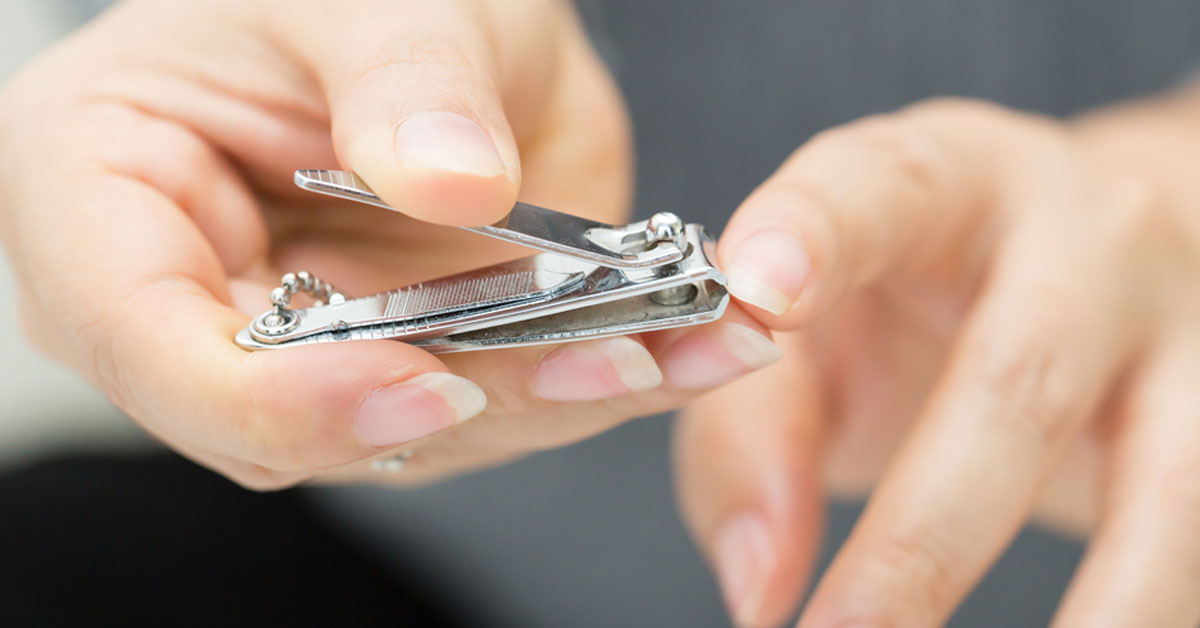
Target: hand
<point>148,209</point>
<point>993,315</point>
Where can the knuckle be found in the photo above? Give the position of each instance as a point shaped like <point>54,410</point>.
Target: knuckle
<point>908,154</point>
<point>191,154</point>
<point>1022,384</point>
<point>434,50</point>
<point>889,134</point>
<point>908,159</point>
<point>914,564</point>
<point>914,155</point>
<point>429,58</point>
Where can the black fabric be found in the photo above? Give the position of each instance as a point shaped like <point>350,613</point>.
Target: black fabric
<point>157,541</point>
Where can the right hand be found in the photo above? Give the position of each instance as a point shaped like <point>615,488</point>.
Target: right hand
<point>148,210</point>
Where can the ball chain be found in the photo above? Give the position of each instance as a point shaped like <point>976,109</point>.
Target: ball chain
<point>321,291</point>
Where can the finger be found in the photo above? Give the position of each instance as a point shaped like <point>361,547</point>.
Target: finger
<point>299,409</point>
<point>747,459</point>
<point>139,297</point>
<point>860,199</point>
<point>549,396</point>
<point>416,95</point>
<point>1020,383</point>
<point>1143,566</point>
<point>164,301</point>
<point>198,179</point>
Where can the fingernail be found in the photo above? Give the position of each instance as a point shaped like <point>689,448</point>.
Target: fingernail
<point>416,408</point>
<point>715,354</point>
<point>596,369</point>
<point>439,140</point>
<point>768,270</point>
<point>745,560</point>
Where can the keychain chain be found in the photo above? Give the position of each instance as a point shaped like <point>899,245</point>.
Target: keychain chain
<point>322,292</point>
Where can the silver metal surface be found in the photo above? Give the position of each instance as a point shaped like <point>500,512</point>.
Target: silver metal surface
<point>545,298</point>
<point>528,225</point>
<point>280,320</point>
<point>433,307</point>
<point>666,227</point>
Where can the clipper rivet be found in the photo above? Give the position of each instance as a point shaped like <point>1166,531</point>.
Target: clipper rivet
<point>664,227</point>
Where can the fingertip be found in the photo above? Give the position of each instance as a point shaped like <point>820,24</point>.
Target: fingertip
<point>714,354</point>
<point>453,199</point>
<point>332,377</point>
<point>765,537</point>
<point>314,406</point>
<point>439,167</point>
<point>596,369</point>
<point>759,568</point>
<point>748,468</point>
<point>416,408</point>
<point>706,356</point>
<point>746,557</point>
<point>768,258</point>
<point>769,270</point>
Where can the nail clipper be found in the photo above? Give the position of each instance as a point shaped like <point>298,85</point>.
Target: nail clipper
<point>591,280</point>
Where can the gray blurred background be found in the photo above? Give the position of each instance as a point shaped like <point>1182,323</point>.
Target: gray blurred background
<point>720,91</point>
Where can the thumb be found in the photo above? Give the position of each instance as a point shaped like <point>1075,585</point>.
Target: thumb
<point>415,96</point>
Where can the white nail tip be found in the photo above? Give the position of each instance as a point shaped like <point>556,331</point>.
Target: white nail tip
<point>746,287</point>
<point>633,363</point>
<point>462,395</point>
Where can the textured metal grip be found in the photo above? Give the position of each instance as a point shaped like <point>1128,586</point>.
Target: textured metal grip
<point>440,297</point>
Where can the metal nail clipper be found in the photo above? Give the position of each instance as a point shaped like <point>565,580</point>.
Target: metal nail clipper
<point>591,280</point>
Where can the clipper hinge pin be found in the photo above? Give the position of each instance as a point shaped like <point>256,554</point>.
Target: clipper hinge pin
<point>666,227</point>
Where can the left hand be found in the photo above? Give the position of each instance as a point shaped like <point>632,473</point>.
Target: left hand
<point>147,209</point>
<point>996,314</point>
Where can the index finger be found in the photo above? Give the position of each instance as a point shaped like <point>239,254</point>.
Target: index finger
<point>858,200</point>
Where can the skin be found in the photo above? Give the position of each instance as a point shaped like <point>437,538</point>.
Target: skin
<point>998,323</point>
<point>148,210</point>
<point>995,318</point>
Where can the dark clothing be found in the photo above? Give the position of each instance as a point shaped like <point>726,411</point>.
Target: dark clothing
<point>156,541</point>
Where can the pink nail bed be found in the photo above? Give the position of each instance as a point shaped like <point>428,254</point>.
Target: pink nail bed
<point>768,270</point>
<point>416,408</point>
<point>715,354</point>
<point>596,369</point>
<point>745,560</point>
